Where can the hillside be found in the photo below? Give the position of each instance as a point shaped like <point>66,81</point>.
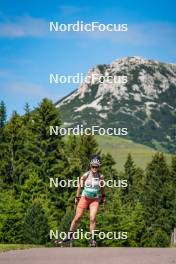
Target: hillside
<point>119,149</point>
<point>145,104</point>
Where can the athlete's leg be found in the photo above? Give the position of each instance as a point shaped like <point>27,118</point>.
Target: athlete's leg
<point>93,212</point>
<point>76,219</point>
<point>69,237</point>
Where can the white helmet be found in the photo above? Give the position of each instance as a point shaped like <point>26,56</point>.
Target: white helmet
<point>95,161</point>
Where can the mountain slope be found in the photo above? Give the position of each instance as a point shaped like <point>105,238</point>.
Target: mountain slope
<point>146,104</point>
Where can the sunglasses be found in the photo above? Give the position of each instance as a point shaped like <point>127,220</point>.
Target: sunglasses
<point>94,167</point>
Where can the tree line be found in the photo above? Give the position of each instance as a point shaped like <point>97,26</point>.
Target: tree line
<point>30,208</point>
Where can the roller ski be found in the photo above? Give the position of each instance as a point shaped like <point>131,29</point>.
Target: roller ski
<point>67,242</point>
<point>92,243</point>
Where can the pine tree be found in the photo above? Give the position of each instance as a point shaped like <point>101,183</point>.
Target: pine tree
<point>72,146</point>
<point>50,155</point>
<point>107,163</point>
<point>80,149</point>
<point>10,149</point>
<point>32,189</point>
<point>27,108</point>
<point>17,152</point>
<point>136,225</point>
<point>87,147</point>
<point>3,114</point>
<point>11,218</point>
<point>36,229</point>
<point>172,193</point>
<point>173,170</point>
<point>138,185</point>
<point>129,175</point>
<point>157,197</point>
<point>28,114</point>
<point>129,170</point>
<point>157,176</point>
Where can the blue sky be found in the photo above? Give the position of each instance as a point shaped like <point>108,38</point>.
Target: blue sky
<point>29,52</point>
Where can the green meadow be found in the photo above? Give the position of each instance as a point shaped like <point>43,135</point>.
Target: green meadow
<point>119,148</point>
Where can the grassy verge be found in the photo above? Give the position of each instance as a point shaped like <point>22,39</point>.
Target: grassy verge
<point>7,247</point>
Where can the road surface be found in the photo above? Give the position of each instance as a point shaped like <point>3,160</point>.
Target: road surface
<point>90,256</point>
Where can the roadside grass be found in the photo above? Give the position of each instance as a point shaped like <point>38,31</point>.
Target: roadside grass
<point>7,247</point>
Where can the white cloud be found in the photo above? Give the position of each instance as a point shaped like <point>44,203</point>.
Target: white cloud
<point>146,34</point>
<point>140,34</point>
<point>22,89</point>
<point>23,26</point>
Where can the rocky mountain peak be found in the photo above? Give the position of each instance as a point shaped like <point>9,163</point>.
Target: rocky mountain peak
<point>146,99</point>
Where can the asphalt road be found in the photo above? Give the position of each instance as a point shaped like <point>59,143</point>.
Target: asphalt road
<point>90,255</point>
